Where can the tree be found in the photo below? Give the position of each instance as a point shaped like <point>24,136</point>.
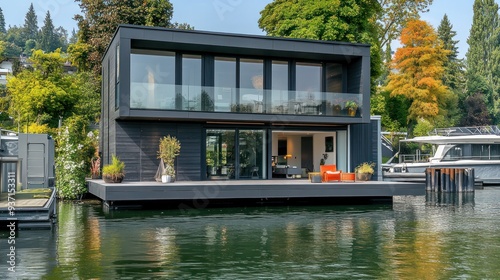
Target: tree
<point>417,71</point>
<point>30,28</point>
<point>44,93</point>
<point>100,18</point>
<point>484,53</point>
<point>49,40</point>
<point>2,22</point>
<point>394,16</point>
<point>454,76</point>
<point>476,112</point>
<point>347,20</point>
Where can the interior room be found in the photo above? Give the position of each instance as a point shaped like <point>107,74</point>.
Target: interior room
<point>296,153</point>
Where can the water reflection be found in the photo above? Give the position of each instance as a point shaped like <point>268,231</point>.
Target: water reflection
<point>450,199</point>
<point>432,237</point>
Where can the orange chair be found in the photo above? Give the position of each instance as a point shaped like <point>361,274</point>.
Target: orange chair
<point>329,173</point>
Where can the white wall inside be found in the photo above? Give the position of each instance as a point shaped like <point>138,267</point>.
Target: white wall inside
<point>294,149</point>
<point>319,149</point>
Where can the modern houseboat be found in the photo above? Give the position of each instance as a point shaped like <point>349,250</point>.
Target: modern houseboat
<point>456,147</point>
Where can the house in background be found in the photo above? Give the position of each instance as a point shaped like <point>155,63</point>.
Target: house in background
<point>5,69</point>
<point>242,106</point>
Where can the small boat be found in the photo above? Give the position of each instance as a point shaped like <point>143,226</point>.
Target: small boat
<point>455,147</point>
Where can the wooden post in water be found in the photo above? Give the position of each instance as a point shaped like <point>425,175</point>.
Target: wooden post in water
<point>449,179</point>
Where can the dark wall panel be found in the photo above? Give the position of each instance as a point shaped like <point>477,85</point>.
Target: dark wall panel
<point>354,76</point>
<point>137,145</point>
<point>361,145</point>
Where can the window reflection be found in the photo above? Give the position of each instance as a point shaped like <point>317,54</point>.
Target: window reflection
<point>225,84</point>
<point>251,85</point>
<point>152,80</point>
<point>308,84</point>
<point>279,83</point>
<point>191,98</point>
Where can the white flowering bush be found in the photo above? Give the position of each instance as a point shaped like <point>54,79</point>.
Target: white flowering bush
<point>74,153</point>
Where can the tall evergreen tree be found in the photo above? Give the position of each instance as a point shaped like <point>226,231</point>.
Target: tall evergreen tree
<point>483,53</point>
<point>30,28</point>
<point>48,38</point>
<point>453,76</point>
<point>2,22</point>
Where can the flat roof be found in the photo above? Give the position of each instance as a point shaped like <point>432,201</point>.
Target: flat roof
<point>238,44</point>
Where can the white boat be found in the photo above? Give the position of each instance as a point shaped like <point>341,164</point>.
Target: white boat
<point>457,147</point>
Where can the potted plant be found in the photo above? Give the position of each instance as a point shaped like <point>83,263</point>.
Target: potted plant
<point>352,107</point>
<point>114,172</point>
<point>95,166</point>
<point>364,171</point>
<point>168,149</point>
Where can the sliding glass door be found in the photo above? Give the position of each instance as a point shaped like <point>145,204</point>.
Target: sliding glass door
<point>235,154</point>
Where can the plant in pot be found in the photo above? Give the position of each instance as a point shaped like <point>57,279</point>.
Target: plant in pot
<point>352,107</point>
<point>364,171</point>
<point>168,149</point>
<point>114,172</point>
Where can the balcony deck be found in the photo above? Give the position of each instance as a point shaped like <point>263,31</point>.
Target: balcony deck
<point>203,192</point>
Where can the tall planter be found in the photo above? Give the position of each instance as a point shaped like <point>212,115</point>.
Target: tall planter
<point>168,149</point>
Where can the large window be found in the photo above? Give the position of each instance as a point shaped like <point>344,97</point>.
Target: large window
<point>308,96</point>
<point>225,84</point>
<point>191,83</point>
<point>152,80</point>
<point>279,85</point>
<point>238,85</point>
<point>251,85</point>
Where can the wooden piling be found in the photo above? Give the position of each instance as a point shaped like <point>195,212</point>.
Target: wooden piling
<point>449,179</point>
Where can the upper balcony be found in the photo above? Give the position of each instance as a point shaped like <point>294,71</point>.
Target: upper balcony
<point>147,96</point>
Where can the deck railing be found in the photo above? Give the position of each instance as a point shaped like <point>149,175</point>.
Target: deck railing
<point>243,100</point>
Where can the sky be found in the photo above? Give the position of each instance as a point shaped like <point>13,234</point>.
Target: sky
<point>233,16</point>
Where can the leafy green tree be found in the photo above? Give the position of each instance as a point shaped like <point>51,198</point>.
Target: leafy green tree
<point>418,70</point>
<point>2,22</point>
<point>15,35</point>
<point>30,28</point>
<point>79,56</point>
<point>483,55</point>
<point>348,21</point>
<point>42,94</point>
<point>100,18</point>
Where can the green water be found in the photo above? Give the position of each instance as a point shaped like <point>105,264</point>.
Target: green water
<point>445,237</point>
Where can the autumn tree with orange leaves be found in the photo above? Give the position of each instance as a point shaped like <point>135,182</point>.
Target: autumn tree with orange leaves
<point>417,71</point>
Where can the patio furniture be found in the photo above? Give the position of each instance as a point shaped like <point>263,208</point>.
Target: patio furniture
<point>329,172</point>
<point>315,177</point>
<point>346,176</point>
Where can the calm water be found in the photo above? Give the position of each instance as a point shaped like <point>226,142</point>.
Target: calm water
<point>446,237</point>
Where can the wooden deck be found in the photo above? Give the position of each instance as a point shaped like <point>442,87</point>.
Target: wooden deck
<point>249,190</point>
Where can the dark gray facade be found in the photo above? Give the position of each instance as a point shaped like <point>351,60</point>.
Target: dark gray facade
<point>131,129</point>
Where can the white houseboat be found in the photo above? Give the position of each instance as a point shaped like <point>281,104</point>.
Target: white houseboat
<point>457,147</point>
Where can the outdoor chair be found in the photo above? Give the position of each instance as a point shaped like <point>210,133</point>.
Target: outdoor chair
<point>329,172</point>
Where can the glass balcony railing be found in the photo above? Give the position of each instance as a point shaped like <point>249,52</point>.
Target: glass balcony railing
<point>243,100</point>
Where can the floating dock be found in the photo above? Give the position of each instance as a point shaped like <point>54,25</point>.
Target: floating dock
<point>200,193</point>
<point>29,213</point>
